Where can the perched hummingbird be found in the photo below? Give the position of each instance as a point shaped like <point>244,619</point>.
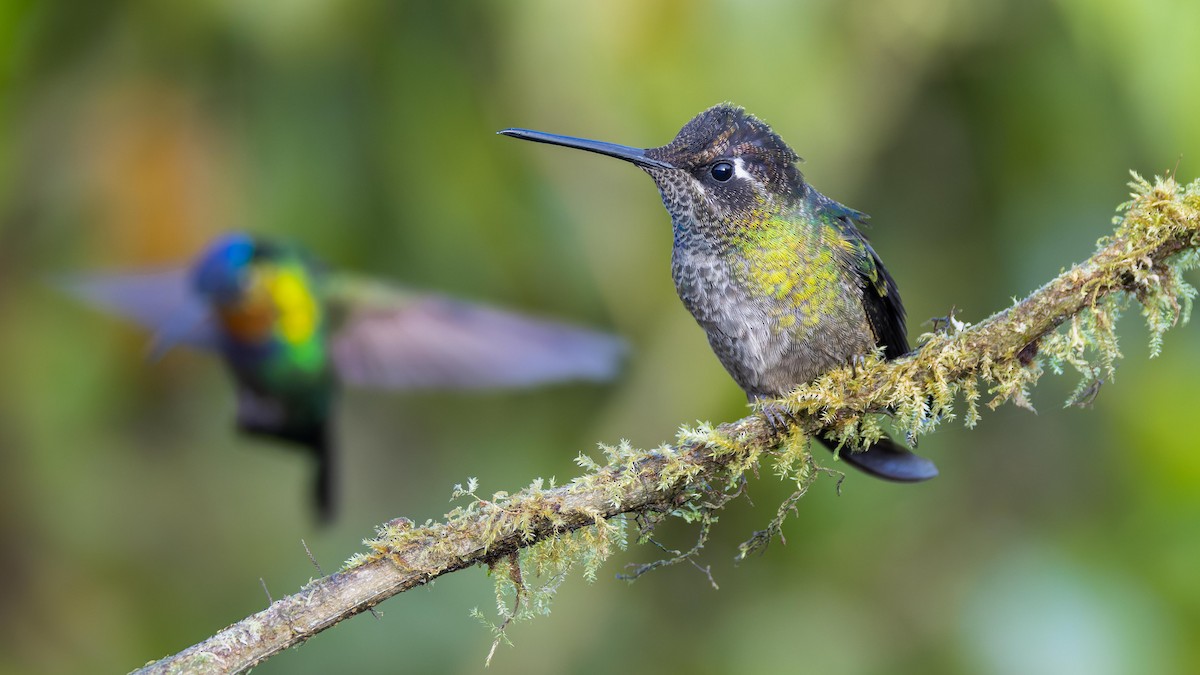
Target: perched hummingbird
<point>776,273</point>
<point>291,334</point>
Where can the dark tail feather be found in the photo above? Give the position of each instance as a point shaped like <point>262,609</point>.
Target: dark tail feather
<point>325,485</point>
<point>263,416</point>
<point>888,460</point>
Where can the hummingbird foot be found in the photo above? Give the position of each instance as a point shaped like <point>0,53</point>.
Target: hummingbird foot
<point>948,324</point>
<point>857,361</point>
<point>778,419</point>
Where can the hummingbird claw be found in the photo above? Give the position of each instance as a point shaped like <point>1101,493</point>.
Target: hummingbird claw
<point>857,361</point>
<point>777,417</point>
<point>943,324</point>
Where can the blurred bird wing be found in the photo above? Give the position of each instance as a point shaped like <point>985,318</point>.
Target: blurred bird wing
<point>393,339</point>
<point>162,302</point>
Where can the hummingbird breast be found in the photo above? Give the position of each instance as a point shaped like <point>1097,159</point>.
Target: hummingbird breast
<point>778,308</point>
<point>276,335</point>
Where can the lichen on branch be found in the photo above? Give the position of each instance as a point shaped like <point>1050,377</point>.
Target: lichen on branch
<point>543,532</point>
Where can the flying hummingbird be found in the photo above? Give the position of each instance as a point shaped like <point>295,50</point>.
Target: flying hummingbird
<point>292,334</point>
<point>776,273</point>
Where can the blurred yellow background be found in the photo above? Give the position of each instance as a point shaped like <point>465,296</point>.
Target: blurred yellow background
<point>989,140</point>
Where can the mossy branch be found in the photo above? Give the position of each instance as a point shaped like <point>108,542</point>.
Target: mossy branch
<point>549,529</point>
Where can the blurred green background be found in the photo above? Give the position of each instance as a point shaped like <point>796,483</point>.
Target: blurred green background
<point>990,140</point>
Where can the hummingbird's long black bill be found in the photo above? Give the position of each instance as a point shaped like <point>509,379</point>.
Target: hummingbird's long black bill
<point>629,154</point>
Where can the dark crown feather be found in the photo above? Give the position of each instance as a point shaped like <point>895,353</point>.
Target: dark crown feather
<point>725,130</point>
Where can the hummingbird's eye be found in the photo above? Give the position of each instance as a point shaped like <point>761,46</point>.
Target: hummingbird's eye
<point>721,171</point>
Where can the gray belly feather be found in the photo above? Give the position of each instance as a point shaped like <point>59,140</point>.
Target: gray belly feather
<point>743,330</point>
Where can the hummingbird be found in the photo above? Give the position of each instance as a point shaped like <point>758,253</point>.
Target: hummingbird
<point>776,273</point>
<point>292,334</point>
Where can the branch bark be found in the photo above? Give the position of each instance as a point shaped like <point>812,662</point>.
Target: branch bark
<point>433,550</point>
<point>1161,222</point>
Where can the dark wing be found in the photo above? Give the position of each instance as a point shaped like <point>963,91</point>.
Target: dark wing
<point>881,298</point>
<point>162,302</point>
<point>410,341</point>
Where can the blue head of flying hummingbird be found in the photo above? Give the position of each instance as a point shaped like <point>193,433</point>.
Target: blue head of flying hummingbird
<point>776,273</point>
<point>291,334</point>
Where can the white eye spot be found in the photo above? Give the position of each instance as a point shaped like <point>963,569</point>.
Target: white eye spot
<point>739,170</point>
